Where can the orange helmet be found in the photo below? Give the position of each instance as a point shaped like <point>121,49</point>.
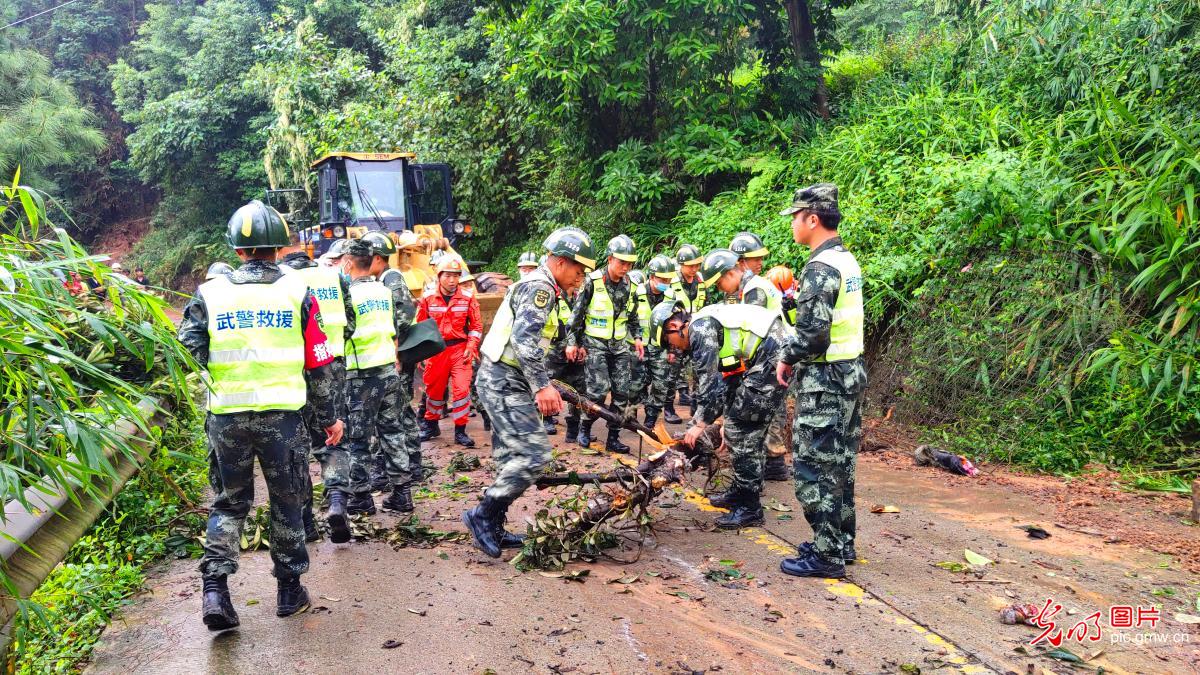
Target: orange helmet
<point>781,276</point>
<point>452,264</point>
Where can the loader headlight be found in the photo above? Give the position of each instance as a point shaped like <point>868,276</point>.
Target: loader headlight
<point>339,231</point>
<point>459,227</point>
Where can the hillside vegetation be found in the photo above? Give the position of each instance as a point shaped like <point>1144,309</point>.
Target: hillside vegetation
<point>1018,176</point>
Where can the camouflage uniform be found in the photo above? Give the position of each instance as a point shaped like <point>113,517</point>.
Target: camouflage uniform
<point>279,439</point>
<point>335,463</point>
<point>520,446</point>
<point>747,400</point>
<point>571,373</point>
<point>406,307</point>
<point>609,362</point>
<point>375,405</point>
<point>685,373</point>
<point>653,377</point>
<point>828,421</point>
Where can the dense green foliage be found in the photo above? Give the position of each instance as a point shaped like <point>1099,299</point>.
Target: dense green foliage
<point>150,518</point>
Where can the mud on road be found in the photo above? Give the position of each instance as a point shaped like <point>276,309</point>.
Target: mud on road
<point>675,607</point>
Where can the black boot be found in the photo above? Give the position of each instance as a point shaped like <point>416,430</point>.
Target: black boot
<point>400,500</point>
<point>572,428</point>
<point>485,522</point>
<point>614,443</point>
<point>685,398</point>
<point>510,539</point>
<point>429,429</point>
<point>776,468</point>
<point>669,414</point>
<point>722,500</point>
<point>849,555</point>
<point>339,525</point>
<point>291,597</point>
<point>311,533</point>
<point>416,468</point>
<point>218,612</point>
<point>747,511</point>
<point>651,419</point>
<point>550,424</point>
<point>487,421</point>
<point>361,502</point>
<point>584,438</point>
<point>811,564</point>
<point>379,477</point>
<point>462,438</point>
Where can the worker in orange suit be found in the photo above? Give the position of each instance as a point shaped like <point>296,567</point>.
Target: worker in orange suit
<point>448,375</point>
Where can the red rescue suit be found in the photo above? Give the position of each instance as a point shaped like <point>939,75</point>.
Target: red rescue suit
<point>461,325</point>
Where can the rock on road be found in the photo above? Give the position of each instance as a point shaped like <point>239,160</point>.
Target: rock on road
<point>453,610</point>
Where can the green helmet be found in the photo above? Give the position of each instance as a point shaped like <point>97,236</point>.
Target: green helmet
<point>381,243</point>
<point>748,245</point>
<point>717,262</point>
<point>689,255</point>
<point>257,225</point>
<point>621,247</point>
<point>636,277</point>
<point>571,243</point>
<point>662,266</point>
<point>659,316</point>
<point>217,269</point>
<point>527,259</point>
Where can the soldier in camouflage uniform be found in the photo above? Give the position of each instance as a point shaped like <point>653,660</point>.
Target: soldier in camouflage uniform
<point>750,250</point>
<point>337,316</point>
<point>571,373</point>
<point>375,398</point>
<point>257,333</point>
<point>830,381</point>
<point>658,371</point>
<point>605,315</point>
<point>688,289</point>
<point>514,386</point>
<point>406,307</point>
<point>735,349</point>
<point>729,272</point>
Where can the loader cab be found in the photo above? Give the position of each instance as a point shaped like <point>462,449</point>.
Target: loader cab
<point>360,192</point>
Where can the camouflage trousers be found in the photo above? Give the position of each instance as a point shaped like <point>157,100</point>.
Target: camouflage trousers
<point>826,434</point>
<point>408,419</point>
<point>374,402</point>
<point>609,371</point>
<point>279,440</point>
<point>752,406</point>
<point>779,438</point>
<point>571,373</point>
<point>520,446</point>
<point>654,380</point>
<point>335,463</point>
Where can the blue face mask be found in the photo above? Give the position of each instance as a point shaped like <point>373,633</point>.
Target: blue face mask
<point>660,286</point>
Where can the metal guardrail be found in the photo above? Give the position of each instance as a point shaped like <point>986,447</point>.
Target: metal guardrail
<point>37,538</point>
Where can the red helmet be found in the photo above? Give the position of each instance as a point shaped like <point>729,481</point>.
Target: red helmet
<point>781,276</point>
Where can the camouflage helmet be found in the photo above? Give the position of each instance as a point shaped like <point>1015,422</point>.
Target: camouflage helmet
<point>662,266</point>
<point>571,243</point>
<point>689,255</point>
<point>659,316</point>
<point>527,259</point>
<point>360,248</point>
<point>717,262</point>
<point>381,243</point>
<point>621,247</point>
<point>748,245</point>
<point>636,277</point>
<point>257,225</point>
<point>217,269</point>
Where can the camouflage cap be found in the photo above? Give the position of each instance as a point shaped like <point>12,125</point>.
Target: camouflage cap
<point>822,197</point>
<point>359,248</point>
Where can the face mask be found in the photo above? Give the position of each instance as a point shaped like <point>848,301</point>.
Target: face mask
<point>660,286</point>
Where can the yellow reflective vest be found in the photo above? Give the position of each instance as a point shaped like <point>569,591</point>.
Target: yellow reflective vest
<point>745,327</point>
<point>846,331</point>
<point>255,345</point>
<point>677,293</point>
<point>602,320</point>
<point>497,345</point>
<point>326,286</point>
<point>373,343</point>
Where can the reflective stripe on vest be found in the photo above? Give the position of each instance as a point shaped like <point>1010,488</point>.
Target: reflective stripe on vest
<point>774,297</point>
<point>326,285</point>
<point>497,346</point>
<point>846,331</point>
<point>374,341</point>
<point>678,293</point>
<point>602,321</point>
<point>255,345</point>
<point>745,327</point>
